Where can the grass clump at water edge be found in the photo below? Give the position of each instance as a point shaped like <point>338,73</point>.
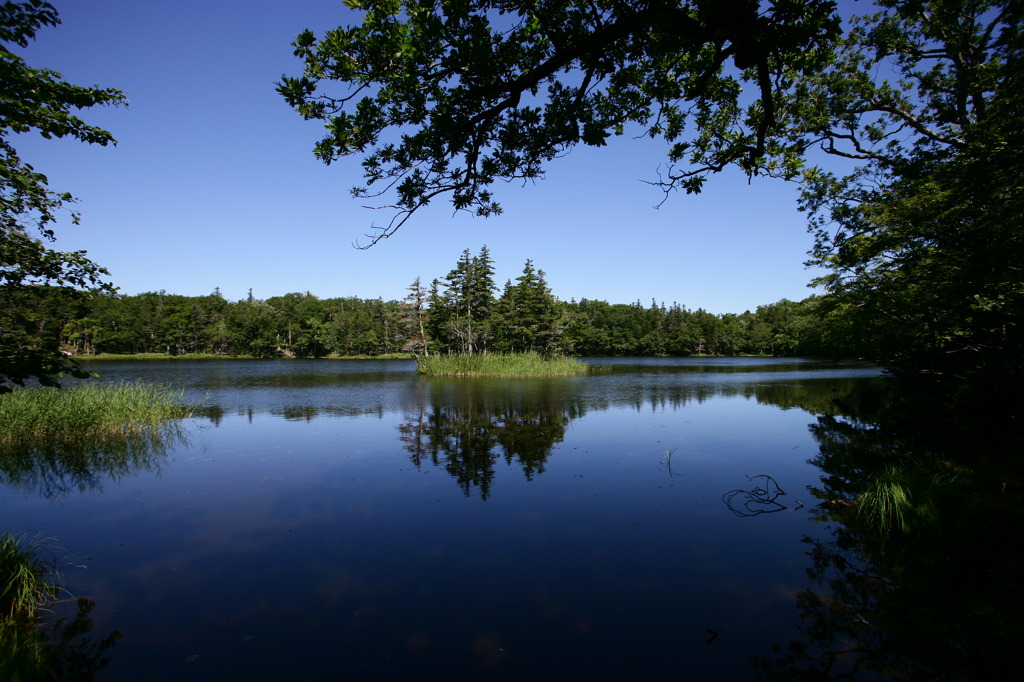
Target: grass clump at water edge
<point>23,585</point>
<point>907,502</point>
<point>500,365</point>
<point>29,648</point>
<point>37,417</point>
<point>25,591</point>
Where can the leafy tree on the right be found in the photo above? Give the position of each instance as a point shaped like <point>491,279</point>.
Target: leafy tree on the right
<point>923,239</point>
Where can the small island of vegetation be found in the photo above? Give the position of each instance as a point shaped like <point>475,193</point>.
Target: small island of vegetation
<point>530,364</point>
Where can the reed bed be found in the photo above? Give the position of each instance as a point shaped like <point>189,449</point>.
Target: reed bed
<point>92,412</point>
<point>500,365</point>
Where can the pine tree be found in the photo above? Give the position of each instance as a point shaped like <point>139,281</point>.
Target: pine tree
<point>529,313</point>
<point>480,292</point>
<point>413,317</point>
<point>463,311</point>
<point>439,315</point>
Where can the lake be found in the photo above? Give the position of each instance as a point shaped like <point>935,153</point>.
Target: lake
<point>327,520</point>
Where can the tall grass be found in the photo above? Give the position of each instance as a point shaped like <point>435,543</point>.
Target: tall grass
<point>96,412</point>
<point>23,585</point>
<point>24,593</point>
<point>500,365</point>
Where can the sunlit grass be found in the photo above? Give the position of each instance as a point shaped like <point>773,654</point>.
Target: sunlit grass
<point>93,412</point>
<point>500,365</point>
<point>62,440</point>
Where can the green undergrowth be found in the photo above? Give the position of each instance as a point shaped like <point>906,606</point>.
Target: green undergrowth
<point>157,356</point>
<point>500,365</point>
<point>383,356</point>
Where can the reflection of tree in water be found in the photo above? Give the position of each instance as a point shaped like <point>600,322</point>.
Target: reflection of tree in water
<point>81,465</point>
<point>467,430</point>
<point>308,413</point>
<point>465,426</point>
<point>920,579</point>
<point>67,649</point>
<point>817,396</point>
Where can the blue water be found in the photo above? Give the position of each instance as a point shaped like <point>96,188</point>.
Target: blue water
<point>350,520</point>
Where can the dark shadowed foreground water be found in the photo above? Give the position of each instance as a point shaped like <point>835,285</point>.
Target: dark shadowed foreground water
<point>330,520</point>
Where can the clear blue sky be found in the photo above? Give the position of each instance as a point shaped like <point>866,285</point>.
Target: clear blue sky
<point>213,182</point>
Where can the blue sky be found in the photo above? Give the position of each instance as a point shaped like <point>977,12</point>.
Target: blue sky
<point>213,182</point>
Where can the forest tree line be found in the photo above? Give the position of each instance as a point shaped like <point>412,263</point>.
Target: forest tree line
<point>461,312</point>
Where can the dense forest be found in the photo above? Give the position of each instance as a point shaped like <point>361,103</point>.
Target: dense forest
<point>461,312</point>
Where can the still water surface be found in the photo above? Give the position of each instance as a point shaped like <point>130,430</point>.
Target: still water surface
<point>350,520</point>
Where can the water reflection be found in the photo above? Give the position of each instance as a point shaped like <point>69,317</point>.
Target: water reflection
<point>67,649</point>
<point>307,390</point>
<point>82,465</point>
<point>466,431</point>
<point>466,427</point>
<point>724,365</point>
<point>622,568</point>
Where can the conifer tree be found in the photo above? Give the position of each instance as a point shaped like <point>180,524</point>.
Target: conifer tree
<point>462,314</point>
<point>529,314</point>
<point>438,315</point>
<point>413,317</point>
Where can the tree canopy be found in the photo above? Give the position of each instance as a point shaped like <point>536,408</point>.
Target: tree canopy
<point>36,100</point>
<point>448,98</point>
